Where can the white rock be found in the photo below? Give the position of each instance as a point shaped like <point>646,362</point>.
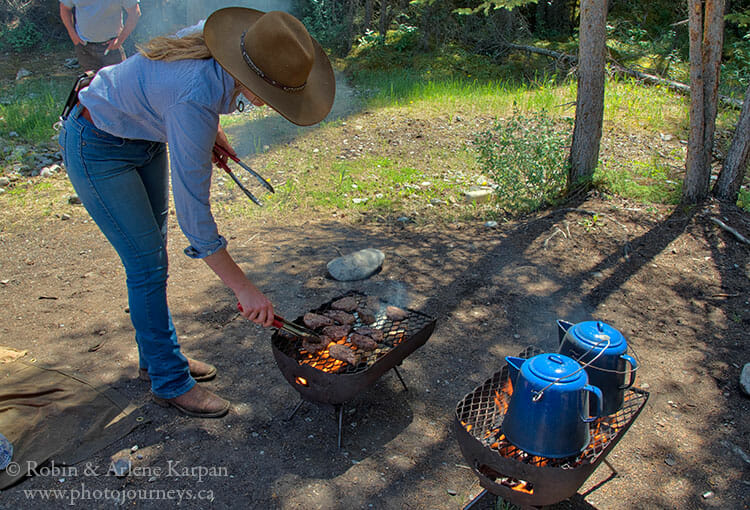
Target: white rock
<point>22,73</point>
<point>479,196</point>
<point>745,379</point>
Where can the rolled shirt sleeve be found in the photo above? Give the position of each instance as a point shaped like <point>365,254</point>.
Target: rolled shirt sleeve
<point>191,132</point>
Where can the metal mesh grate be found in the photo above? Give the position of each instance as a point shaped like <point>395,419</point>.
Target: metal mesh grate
<point>482,411</point>
<point>395,333</point>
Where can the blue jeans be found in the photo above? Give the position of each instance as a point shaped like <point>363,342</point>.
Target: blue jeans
<point>124,186</point>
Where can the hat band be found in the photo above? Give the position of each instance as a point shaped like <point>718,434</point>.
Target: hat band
<point>263,75</point>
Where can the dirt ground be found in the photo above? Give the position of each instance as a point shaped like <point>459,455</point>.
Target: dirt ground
<point>674,283</point>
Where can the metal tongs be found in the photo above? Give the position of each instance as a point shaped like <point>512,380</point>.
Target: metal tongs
<point>295,329</point>
<point>221,153</point>
<point>280,322</point>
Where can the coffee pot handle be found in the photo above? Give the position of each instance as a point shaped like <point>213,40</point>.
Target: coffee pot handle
<point>599,399</point>
<point>633,368</point>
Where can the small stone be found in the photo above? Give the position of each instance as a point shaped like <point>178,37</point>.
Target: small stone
<point>745,379</point>
<point>490,224</point>
<point>708,495</point>
<point>4,181</point>
<point>670,461</point>
<point>120,468</point>
<point>403,219</point>
<point>134,448</point>
<point>64,216</point>
<point>22,73</point>
<point>479,195</point>
<point>451,492</point>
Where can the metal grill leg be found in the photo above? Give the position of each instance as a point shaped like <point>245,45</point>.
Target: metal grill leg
<point>296,408</point>
<point>475,500</point>
<point>340,409</point>
<point>400,378</point>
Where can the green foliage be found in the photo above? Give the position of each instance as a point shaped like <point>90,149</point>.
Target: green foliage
<point>743,200</point>
<point>741,19</point>
<point>486,6</point>
<point>526,157</point>
<point>31,107</point>
<point>735,74</point>
<point>24,36</point>
<point>325,20</point>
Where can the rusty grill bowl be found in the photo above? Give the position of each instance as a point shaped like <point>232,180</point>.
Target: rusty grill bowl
<point>321,378</point>
<point>522,478</point>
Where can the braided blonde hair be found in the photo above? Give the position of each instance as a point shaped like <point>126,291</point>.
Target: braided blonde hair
<point>170,49</point>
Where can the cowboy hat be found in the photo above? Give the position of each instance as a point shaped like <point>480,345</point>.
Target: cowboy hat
<point>274,56</point>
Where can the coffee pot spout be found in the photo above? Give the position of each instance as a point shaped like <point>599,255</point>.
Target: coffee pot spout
<point>514,367</point>
<point>562,328</point>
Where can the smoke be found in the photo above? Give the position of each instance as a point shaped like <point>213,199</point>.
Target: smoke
<point>164,17</point>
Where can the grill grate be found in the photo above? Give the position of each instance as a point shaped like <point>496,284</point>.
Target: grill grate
<point>482,412</point>
<point>394,334</point>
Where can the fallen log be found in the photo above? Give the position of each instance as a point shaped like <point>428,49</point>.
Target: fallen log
<point>620,69</point>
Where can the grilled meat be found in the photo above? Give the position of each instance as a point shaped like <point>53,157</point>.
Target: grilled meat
<point>363,342</point>
<point>336,333</point>
<point>340,316</point>
<point>395,313</point>
<point>313,348</point>
<point>347,304</point>
<point>343,353</point>
<point>373,333</point>
<point>315,321</point>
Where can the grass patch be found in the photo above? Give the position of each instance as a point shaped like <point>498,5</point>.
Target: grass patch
<point>30,108</point>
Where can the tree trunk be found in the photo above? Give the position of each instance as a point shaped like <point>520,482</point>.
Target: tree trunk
<point>706,38</point>
<point>367,20</point>
<point>728,184</point>
<point>584,152</point>
<point>349,28</point>
<point>383,23</point>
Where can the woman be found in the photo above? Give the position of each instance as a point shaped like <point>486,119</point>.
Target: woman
<point>114,146</point>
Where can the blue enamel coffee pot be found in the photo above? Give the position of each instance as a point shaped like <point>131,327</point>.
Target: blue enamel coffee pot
<point>601,348</point>
<point>548,414</point>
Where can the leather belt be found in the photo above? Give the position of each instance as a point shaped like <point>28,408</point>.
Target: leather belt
<point>85,114</point>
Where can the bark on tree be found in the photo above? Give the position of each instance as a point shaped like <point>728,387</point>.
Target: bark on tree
<point>383,23</point>
<point>732,173</point>
<point>367,20</point>
<point>706,21</point>
<point>587,134</point>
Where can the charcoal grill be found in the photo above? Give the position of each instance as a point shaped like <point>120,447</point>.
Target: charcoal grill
<point>516,476</point>
<point>322,379</point>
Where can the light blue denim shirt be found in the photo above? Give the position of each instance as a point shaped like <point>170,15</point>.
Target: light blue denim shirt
<point>178,103</point>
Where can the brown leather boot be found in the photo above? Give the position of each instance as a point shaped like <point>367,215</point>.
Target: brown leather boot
<point>197,402</point>
<point>199,370</point>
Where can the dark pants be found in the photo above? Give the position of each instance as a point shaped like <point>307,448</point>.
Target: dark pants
<point>91,56</point>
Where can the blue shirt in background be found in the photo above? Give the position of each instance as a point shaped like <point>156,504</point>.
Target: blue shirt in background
<point>178,103</point>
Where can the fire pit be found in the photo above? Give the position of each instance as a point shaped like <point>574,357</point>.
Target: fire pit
<point>519,477</point>
<point>323,379</point>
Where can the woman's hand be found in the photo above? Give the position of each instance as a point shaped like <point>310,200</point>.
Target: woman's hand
<point>221,141</point>
<point>255,306</point>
